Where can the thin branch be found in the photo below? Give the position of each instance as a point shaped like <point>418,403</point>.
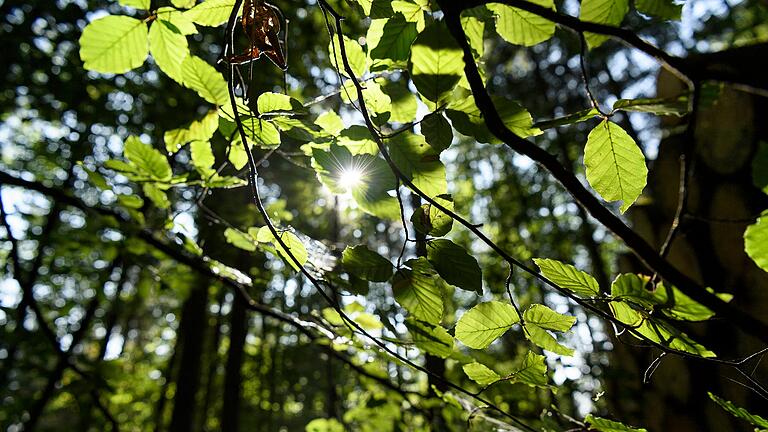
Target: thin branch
<point>585,76</point>
<point>686,162</point>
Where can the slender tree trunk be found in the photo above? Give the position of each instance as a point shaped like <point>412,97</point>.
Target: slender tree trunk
<point>163,399</point>
<point>191,336</point>
<point>238,323</point>
<point>213,362</point>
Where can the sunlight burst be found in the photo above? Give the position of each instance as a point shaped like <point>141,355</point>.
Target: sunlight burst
<point>350,177</point>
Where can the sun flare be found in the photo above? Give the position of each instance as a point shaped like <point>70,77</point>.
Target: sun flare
<point>350,177</point>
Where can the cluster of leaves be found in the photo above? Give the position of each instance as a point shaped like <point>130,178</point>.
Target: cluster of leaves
<point>407,48</point>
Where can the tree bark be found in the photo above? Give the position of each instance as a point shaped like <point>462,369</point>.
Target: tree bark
<point>191,336</point>
<point>238,328</point>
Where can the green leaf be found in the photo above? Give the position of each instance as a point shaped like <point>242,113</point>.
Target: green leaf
<point>632,287</point>
<point>269,102</point>
<point>609,12</point>
<point>756,241</point>
<point>664,9</point>
<point>605,425</point>
<point>480,373</point>
<point>660,106</point>
<point>403,102</point>
<point>198,130</point>
<point>183,4</point>
<point>411,11</point>
<point>176,20</point>
<point>205,80</point>
<point>324,425</point>
<point>114,44</point>
<point>532,371</point>
<point>434,340</point>
<point>237,155</point>
<point>615,165</point>
<point>430,220</point>
<point>753,419</point>
<point>539,319</point>
<point>437,131</point>
<point>455,265</point>
<point>632,305</point>
<point>358,140</point>
<point>261,133</point>
<point>130,201</point>
<point>202,157</point>
<point>419,162</point>
<point>330,122</point>
<point>569,119</point>
<point>295,246</point>
<point>377,102</point>
<point>467,119</point>
<point>420,291</point>
<point>211,13</point>
<point>520,27</point>
<point>668,300</point>
<point>355,56</point>
<point>546,318</point>
<point>546,341</point>
<point>156,195</point>
<point>396,39</point>
<point>366,264</point>
<point>568,277</point>
<point>436,63</point>
<point>240,239</point>
<point>148,160</point>
<point>136,4</point>
<point>168,48</point>
<point>485,323</point>
<point>366,5</point>
<point>474,28</point>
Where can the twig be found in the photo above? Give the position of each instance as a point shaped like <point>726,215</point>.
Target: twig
<point>585,76</point>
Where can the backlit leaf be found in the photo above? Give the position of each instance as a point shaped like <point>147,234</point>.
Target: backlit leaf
<point>520,27</point>
<point>615,165</point>
<point>609,12</point>
<point>114,44</point>
<point>756,241</point>
<point>420,291</point>
<point>480,373</point>
<point>204,79</point>
<point>568,277</point>
<point>485,323</point>
<point>211,13</point>
<point>169,48</point>
<point>436,63</point>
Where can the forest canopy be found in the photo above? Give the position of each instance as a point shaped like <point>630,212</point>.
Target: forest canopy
<point>410,215</point>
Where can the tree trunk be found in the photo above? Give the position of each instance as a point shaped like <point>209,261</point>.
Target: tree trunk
<point>238,328</point>
<point>192,329</point>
